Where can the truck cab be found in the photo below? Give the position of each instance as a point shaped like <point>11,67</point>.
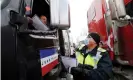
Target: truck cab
<point>32,53</point>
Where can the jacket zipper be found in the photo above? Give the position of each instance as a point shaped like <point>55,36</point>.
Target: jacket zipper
<point>83,63</point>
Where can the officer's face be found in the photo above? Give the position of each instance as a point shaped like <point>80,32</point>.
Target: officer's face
<point>44,19</point>
<point>91,41</point>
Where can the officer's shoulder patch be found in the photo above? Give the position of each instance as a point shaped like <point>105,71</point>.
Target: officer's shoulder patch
<point>101,49</point>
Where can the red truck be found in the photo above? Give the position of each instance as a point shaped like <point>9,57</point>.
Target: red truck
<point>113,20</point>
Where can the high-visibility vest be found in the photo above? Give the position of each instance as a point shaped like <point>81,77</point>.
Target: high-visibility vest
<point>89,60</point>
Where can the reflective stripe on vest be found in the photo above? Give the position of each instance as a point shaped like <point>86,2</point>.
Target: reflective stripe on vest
<point>90,60</point>
<point>81,46</point>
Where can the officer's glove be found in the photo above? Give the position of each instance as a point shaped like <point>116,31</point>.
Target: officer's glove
<point>85,72</point>
<point>76,71</point>
<point>79,73</point>
<point>88,67</point>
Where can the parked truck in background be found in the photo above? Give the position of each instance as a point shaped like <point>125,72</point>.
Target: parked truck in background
<point>113,20</point>
<point>28,53</point>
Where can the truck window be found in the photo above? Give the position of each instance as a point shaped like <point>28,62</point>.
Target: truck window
<point>29,4</point>
<point>129,8</point>
<point>41,7</point>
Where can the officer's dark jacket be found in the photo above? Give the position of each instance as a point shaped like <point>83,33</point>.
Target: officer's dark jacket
<point>104,66</point>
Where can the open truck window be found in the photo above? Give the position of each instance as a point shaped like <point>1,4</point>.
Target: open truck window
<point>41,7</point>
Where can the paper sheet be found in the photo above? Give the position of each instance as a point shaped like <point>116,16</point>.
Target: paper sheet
<point>69,62</point>
<point>37,23</point>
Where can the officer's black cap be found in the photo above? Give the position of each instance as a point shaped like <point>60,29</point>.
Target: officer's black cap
<point>96,37</point>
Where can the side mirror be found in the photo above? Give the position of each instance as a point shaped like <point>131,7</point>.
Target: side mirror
<point>117,8</point>
<point>60,14</point>
<point>16,18</point>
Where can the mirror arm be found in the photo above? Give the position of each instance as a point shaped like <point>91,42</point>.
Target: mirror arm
<point>16,18</point>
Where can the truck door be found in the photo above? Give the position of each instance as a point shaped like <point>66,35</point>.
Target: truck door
<point>12,18</point>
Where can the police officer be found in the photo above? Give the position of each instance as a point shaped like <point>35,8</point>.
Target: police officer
<point>93,62</point>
